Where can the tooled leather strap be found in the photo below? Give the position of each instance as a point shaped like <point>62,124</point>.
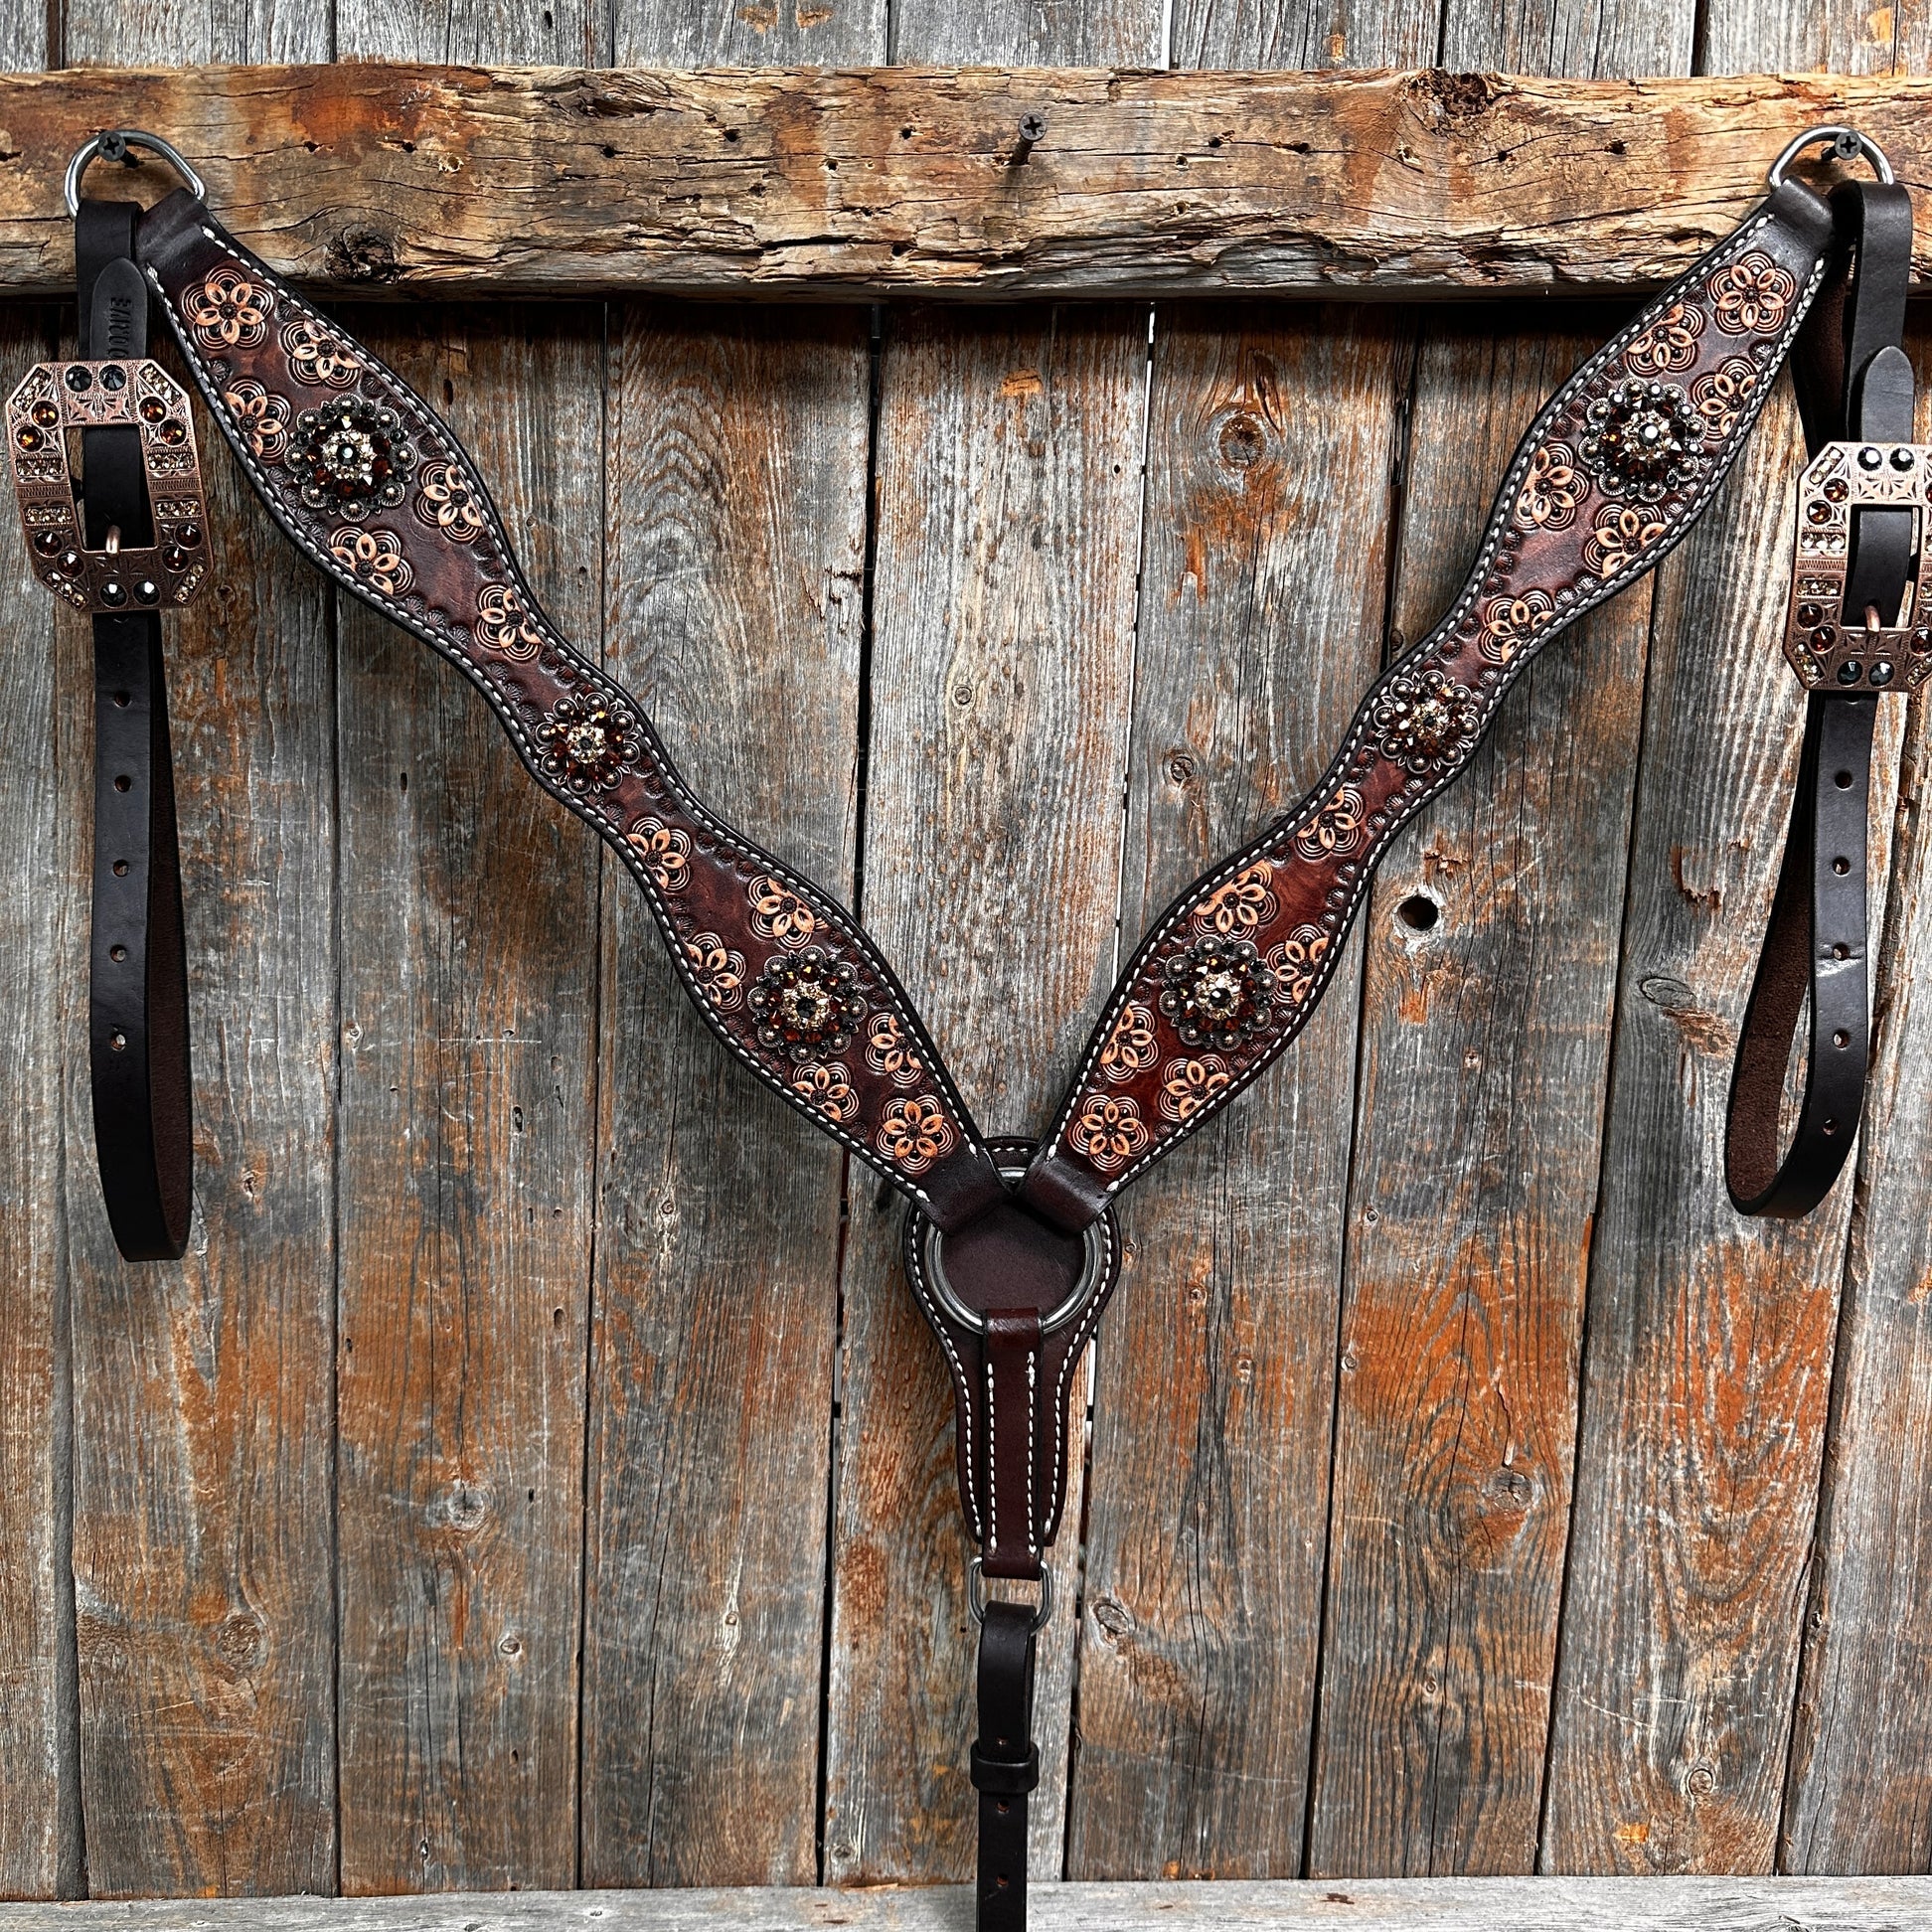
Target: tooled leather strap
<point>1853,383</point>
<point>1611,475</point>
<point>137,1006</point>
<point>372,486</point>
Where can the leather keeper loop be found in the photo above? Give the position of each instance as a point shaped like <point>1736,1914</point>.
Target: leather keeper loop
<point>1002,1777</point>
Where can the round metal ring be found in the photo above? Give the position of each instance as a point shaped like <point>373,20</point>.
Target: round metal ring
<point>1846,143</point>
<point>976,1594</point>
<point>113,143</point>
<point>1093,1270</point>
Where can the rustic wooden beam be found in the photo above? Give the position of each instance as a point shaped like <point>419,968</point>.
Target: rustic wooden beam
<point>371,176</point>
<point>1359,1904</point>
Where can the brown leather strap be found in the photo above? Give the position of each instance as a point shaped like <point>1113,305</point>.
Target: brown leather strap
<point>1014,1399</point>
<point>1005,1765</point>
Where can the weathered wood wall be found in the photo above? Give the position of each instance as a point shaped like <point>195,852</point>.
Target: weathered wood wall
<point>536,1474</point>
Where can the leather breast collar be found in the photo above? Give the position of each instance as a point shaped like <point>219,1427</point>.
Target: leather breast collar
<point>1011,1247</point>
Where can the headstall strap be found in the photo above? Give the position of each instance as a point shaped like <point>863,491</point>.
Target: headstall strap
<point>1011,1246</point>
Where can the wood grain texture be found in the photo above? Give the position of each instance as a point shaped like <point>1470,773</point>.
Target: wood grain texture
<point>1008,531</point>
<point>203,1392</point>
<point>1492,962</point>
<point>1271,458</point>
<point>43,870</point>
<point>736,530</point>
<point>1492,943</point>
<point>840,182</point>
<point>1363,1905</point>
<point>736,523</point>
<point>469,960</point>
<point>1861,1793</point>
<point>469,975</point>
<point>1709,1354</point>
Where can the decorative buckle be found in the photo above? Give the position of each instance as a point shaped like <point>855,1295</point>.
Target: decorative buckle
<point>54,399</point>
<point>1827,644</point>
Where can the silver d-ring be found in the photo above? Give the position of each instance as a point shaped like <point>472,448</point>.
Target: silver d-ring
<point>1847,145</point>
<point>1094,1259</point>
<point>976,1595</point>
<point>113,143</point>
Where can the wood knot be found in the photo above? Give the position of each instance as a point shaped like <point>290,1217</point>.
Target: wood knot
<point>363,253</point>
<point>1457,96</point>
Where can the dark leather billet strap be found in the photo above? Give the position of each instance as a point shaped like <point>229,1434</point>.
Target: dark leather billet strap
<point>1610,477</point>
<point>374,489</point>
<point>1005,1765</point>
<point>1853,384</point>
<point>1815,940</point>
<point>137,1020</point>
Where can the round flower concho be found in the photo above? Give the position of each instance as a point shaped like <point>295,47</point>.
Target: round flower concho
<point>1220,992</point>
<point>350,458</point>
<point>1644,440</point>
<point>587,743</point>
<point>806,1003</point>
<point>1426,721</point>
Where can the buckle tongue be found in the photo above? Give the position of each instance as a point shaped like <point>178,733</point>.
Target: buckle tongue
<point>133,393</point>
<point>1829,646</point>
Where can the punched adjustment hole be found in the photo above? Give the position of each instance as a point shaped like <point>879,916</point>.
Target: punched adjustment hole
<point>117,1041</point>
<point>123,700</point>
<point>1831,1127</point>
<point>1840,950</point>
<point>120,867</point>
<point>1840,866</point>
<point>1419,912</point>
<point>122,782</point>
<point>1843,780</point>
<point>1840,1037</point>
<point>117,953</point>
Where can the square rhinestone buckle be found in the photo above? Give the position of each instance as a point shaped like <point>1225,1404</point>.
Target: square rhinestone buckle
<point>1831,647</point>
<point>55,398</point>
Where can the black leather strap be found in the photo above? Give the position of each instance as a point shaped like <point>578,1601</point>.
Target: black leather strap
<point>1853,382</point>
<point>1005,1765</point>
<point>138,1006</point>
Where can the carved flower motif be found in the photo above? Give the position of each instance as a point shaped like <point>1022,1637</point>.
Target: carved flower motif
<point>318,356</point>
<point>718,971</point>
<point>913,1134</point>
<point>1297,960</point>
<point>1242,905</point>
<point>1621,535</point>
<point>1509,623</point>
<point>806,1003</point>
<point>262,417</point>
<point>1425,721</point>
<point>665,851</point>
<point>1109,1131</point>
<point>503,623</point>
<point>827,1089</point>
<point>1644,439</point>
<point>1552,489</point>
<point>1751,294</point>
<point>777,913</point>
<point>1130,1048</point>
<point>1191,1084</point>
<point>373,558</point>
<point>887,1053</point>
<point>350,457</point>
<point>1722,394</point>
<point>229,310</point>
<point>1669,344</point>
<point>1219,993</point>
<point>446,502</point>
<point>586,742</point>
<point>1337,829</point>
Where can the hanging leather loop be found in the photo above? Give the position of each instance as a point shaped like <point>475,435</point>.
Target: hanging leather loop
<point>137,1022</point>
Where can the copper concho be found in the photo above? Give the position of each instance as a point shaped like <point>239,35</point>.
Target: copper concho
<point>54,399</point>
<point>1830,647</point>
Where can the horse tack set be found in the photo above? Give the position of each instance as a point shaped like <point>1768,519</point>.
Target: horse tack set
<point>1011,1247</point>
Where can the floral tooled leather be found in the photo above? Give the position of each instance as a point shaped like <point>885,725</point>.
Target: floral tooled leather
<point>378,492</point>
<point>1609,477</point>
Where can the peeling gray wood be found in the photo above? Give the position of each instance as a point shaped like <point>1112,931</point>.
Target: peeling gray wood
<point>1359,1904</point>
<point>901,181</point>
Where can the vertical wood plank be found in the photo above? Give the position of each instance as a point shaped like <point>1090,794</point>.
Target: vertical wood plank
<point>1271,458</point>
<point>1709,1342</point>
<point>1860,1790</point>
<point>1709,1345</point>
<point>736,545</point>
<point>469,975</point>
<point>1492,940</point>
<point>203,1388</point>
<point>1008,488</point>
